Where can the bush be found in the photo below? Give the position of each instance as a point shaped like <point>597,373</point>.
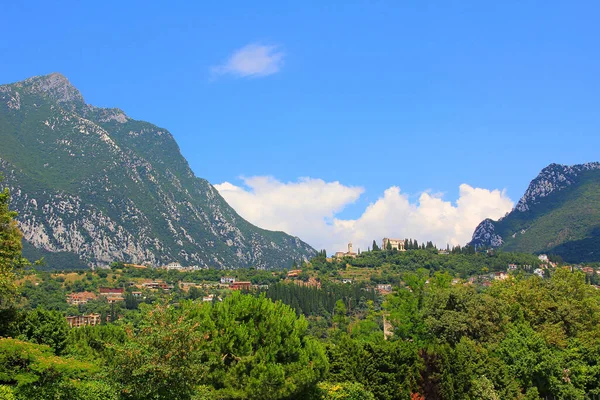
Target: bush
<point>344,391</point>
<point>6,393</point>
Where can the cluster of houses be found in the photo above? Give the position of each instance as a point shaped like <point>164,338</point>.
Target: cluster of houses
<point>112,295</point>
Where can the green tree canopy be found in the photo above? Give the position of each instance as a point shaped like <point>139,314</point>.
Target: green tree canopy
<point>243,347</point>
<point>10,249</point>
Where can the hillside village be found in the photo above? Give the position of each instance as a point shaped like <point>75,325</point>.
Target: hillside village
<point>103,296</point>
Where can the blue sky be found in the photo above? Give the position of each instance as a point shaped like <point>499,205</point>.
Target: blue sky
<point>374,94</point>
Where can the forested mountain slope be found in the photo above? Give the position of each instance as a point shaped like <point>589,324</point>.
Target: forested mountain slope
<point>92,185</point>
<point>559,214</point>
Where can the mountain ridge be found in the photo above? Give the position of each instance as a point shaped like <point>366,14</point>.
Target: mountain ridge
<point>558,214</point>
<point>95,183</point>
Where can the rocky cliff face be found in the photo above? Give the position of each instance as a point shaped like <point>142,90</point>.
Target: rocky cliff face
<point>98,185</point>
<point>485,235</point>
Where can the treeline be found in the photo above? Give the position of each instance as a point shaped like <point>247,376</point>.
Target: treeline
<point>314,301</point>
<point>464,263</point>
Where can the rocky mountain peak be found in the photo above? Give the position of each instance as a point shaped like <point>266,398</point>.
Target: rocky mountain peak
<point>55,86</point>
<point>553,178</point>
<point>92,186</point>
<point>565,223</point>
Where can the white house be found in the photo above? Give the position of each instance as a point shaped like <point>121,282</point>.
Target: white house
<point>174,266</point>
<point>539,272</point>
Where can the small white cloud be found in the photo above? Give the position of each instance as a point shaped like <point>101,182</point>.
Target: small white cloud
<point>307,209</point>
<point>253,60</point>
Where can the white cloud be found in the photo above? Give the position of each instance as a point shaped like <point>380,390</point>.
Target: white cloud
<point>308,209</point>
<point>253,60</point>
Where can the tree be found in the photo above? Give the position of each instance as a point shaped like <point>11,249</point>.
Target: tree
<point>45,327</point>
<point>37,374</point>
<point>344,391</point>
<point>163,360</point>
<point>131,303</point>
<point>194,293</point>
<point>243,347</point>
<point>339,315</point>
<point>10,250</point>
<point>375,247</point>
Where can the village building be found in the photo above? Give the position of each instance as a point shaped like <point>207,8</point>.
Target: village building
<point>227,279</point>
<point>588,270</point>
<point>395,244</point>
<point>240,286</point>
<point>539,272</point>
<point>294,273</point>
<point>174,266</point>
<point>112,295</point>
<point>80,298</point>
<point>384,288</point>
<point>155,285</point>
<point>136,295</point>
<point>312,282</point>
<point>83,320</point>
<point>349,253</point>
<point>346,280</point>
<point>500,276</point>
<point>543,258</point>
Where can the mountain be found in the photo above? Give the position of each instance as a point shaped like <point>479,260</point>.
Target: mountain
<point>92,186</point>
<point>558,214</point>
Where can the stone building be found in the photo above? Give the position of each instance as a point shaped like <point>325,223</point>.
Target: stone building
<point>397,244</point>
<point>350,253</point>
<point>83,320</point>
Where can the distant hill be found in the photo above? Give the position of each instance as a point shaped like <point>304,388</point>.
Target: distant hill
<point>92,185</point>
<point>558,214</point>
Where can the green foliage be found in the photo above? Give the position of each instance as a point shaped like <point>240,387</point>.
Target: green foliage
<point>244,347</point>
<point>390,370</point>
<point>6,393</point>
<point>262,349</point>
<point>34,372</point>
<point>320,301</point>
<point>45,327</point>
<point>463,263</point>
<point>95,343</point>
<point>10,250</point>
<point>344,391</point>
<point>162,358</point>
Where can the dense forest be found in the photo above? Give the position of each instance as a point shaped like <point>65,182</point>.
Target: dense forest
<point>436,335</point>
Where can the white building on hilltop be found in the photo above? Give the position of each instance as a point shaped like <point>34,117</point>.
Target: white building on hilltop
<point>174,266</point>
<point>396,244</point>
